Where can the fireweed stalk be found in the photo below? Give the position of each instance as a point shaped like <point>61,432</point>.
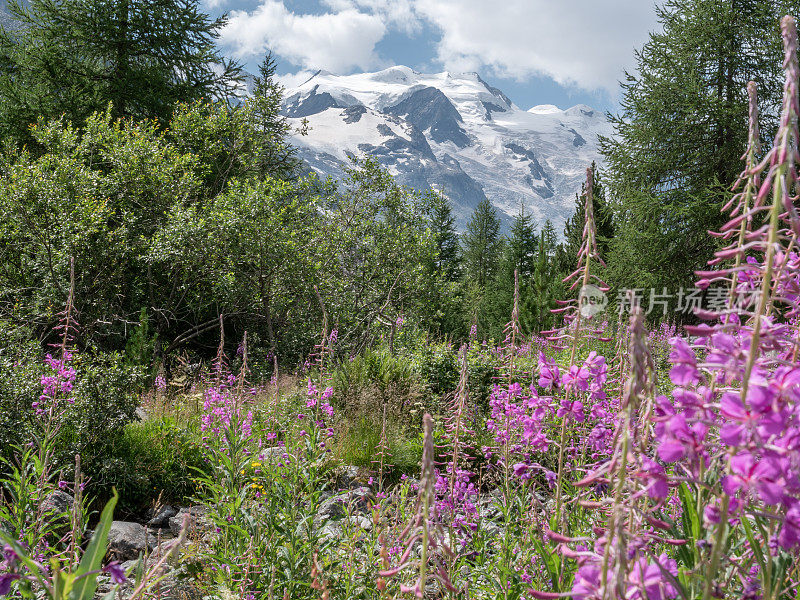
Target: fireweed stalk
<point>729,432</point>
<point>637,390</point>
<point>770,240</point>
<point>740,204</point>
<point>456,495</point>
<point>573,315</point>
<point>423,528</point>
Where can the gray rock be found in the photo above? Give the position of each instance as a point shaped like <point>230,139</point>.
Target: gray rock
<point>174,585</point>
<point>56,507</point>
<point>57,502</point>
<point>346,477</point>
<point>198,521</point>
<point>161,519</point>
<point>355,501</point>
<point>127,540</point>
<point>336,529</point>
<point>274,455</point>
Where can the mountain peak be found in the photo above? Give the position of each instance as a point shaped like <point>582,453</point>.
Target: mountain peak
<point>453,132</point>
<point>544,109</point>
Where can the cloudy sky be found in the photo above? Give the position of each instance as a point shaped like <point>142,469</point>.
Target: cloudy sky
<point>559,52</point>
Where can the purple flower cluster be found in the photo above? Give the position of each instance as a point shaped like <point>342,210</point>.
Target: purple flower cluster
<point>522,419</point>
<point>57,385</point>
<point>222,410</point>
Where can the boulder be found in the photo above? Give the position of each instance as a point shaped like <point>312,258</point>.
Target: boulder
<point>127,540</point>
<point>161,519</point>
<point>355,501</point>
<point>57,502</point>
<point>346,477</point>
<point>198,521</point>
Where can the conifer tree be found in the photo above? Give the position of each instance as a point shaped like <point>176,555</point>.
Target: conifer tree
<point>573,228</point>
<point>682,129</point>
<point>481,244</point>
<point>272,154</point>
<point>519,254</point>
<point>74,57</point>
<point>545,288</point>
<point>446,238</point>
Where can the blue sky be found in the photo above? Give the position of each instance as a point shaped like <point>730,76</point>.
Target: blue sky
<point>561,52</point>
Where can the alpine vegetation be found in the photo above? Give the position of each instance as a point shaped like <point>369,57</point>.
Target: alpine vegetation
<point>222,376</point>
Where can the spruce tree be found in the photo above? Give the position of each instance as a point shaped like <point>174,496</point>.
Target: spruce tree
<point>481,244</point>
<point>573,228</point>
<point>443,227</point>
<point>682,129</point>
<point>518,254</point>
<point>75,57</point>
<point>272,154</point>
<point>545,287</point>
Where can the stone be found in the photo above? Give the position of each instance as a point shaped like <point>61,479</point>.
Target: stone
<point>58,502</point>
<point>344,503</point>
<point>346,477</point>
<point>198,521</point>
<point>127,540</point>
<point>161,519</point>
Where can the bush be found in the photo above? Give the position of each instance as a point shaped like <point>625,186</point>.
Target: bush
<point>374,377</point>
<point>19,386</point>
<point>150,459</point>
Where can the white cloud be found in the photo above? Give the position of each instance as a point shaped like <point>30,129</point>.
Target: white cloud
<point>583,43</point>
<point>293,80</point>
<point>336,41</point>
<point>397,14</point>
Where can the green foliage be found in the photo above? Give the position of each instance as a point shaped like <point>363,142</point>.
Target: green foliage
<point>481,247</point>
<point>682,129</point>
<point>19,386</point>
<point>518,254</point>
<point>573,229</point>
<point>106,398</point>
<point>141,343</point>
<point>360,444</point>
<point>76,57</point>
<point>373,378</point>
<point>155,458</point>
<point>54,583</point>
<point>448,259</point>
<point>481,244</point>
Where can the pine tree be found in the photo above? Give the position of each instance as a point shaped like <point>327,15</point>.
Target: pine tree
<point>519,254</point>
<point>682,129</point>
<point>443,226</point>
<point>74,57</point>
<point>521,248</point>
<point>272,153</point>
<point>573,228</point>
<point>546,286</point>
<point>481,245</point>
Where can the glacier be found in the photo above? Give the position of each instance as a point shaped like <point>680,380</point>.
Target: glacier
<point>452,132</point>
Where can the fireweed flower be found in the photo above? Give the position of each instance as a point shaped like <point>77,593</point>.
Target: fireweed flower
<point>116,572</point>
<point>571,409</point>
<point>424,527</point>
<point>549,376</point>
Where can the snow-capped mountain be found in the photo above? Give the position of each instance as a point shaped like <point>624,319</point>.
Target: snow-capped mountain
<point>452,132</point>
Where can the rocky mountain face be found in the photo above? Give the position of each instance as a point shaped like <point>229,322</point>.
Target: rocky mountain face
<point>452,132</point>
